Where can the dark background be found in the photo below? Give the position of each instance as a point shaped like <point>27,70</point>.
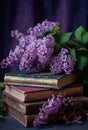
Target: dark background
<point>22,14</point>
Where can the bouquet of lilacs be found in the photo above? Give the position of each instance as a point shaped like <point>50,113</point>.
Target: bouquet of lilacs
<point>45,48</point>
<point>60,109</point>
<point>42,48</point>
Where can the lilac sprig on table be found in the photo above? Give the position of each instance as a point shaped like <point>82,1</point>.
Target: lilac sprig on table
<point>62,109</point>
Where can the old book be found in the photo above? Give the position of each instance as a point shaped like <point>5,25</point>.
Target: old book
<point>25,108</point>
<point>24,94</point>
<point>33,107</point>
<point>27,120</point>
<point>47,80</point>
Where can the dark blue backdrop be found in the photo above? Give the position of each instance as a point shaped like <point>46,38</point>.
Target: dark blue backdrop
<point>21,14</point>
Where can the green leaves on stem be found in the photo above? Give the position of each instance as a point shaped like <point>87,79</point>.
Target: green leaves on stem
<point>76,46</point>
<point>81,35</point>
<point>75,42</point>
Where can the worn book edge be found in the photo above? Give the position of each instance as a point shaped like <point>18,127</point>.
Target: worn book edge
<point>73,90</point>
<point>56,82</point>
<point>25,108</point>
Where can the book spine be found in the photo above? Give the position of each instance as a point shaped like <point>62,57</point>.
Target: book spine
<point>41,82</point>
<point>26,120</point>
<point>29,81</point>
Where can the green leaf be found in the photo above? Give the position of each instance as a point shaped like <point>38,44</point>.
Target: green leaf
<point>46,33</point>
<point>82,61</point>
<point>81,35</point>
<point>57,46</point>
<point>65,37</point>
<point>82,49</point>
<point>85,37</point>
<point>53,31</point>
<point>78,33</point>
<point>73,54</point>
<point>56,28</point>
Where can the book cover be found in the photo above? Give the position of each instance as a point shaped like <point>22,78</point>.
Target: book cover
<point>25,108</point>
<point>30,94</point>
<point>47,80</point>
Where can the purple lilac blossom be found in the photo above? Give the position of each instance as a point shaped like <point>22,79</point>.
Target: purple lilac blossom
<point>38,52</point>
<point>39,29</point>
<point>16,34</point>
<point>25,55</point>
<point>62,62</point>
<point>45,49</point>
<point>14,55</point>
<point>53,106</point>
<point>78,119</point>
<point>59,105</point>
<point>55,65</point>
<point>28,57</point>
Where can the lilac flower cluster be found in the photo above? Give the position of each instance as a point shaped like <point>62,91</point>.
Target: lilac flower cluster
<point>39,29</point>
<point>60,106</point>
<point>31,48</point>
<point>35,53</point>
<point>52,106</point>
<point>62,62</point>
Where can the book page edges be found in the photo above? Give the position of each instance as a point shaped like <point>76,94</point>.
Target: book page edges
<point>78,90</point>
<point>24,119</point>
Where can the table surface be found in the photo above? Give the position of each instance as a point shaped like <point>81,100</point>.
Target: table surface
<point>13,124</point>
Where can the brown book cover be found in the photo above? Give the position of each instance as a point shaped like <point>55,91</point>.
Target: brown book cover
<point>26,120</point>
<point>47,80</point>
<point>25,108</point>
<point>24,94</point>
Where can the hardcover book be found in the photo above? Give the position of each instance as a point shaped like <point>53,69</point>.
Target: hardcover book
<point>26,120</point>
<point>47,80</point>
<point>30,94</point>
<point>25,108</point>
<point>33,107</point>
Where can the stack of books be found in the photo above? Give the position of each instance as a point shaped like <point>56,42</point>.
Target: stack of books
<point>25,93</point>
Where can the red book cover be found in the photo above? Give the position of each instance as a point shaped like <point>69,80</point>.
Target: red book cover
<point>30,89</point>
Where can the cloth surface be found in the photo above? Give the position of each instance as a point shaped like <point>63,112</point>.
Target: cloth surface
<point>12,124</point>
